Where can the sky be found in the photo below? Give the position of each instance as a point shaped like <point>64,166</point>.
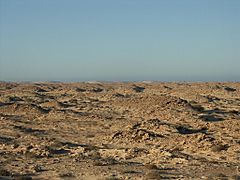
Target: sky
<point>120,40</point>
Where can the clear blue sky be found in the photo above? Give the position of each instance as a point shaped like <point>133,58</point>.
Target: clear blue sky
<point>80,40</point>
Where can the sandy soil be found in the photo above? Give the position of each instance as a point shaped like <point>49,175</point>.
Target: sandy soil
<point>119,130</point>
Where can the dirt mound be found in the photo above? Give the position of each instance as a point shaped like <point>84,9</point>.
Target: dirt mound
<point>19,108</point>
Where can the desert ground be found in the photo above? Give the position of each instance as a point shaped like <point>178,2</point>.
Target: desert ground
<point>128,130</point>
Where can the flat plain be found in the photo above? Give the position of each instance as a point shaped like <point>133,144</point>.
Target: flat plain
<point>131,130</point>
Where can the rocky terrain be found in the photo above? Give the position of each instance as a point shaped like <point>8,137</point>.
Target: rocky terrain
<point>96,130</point>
